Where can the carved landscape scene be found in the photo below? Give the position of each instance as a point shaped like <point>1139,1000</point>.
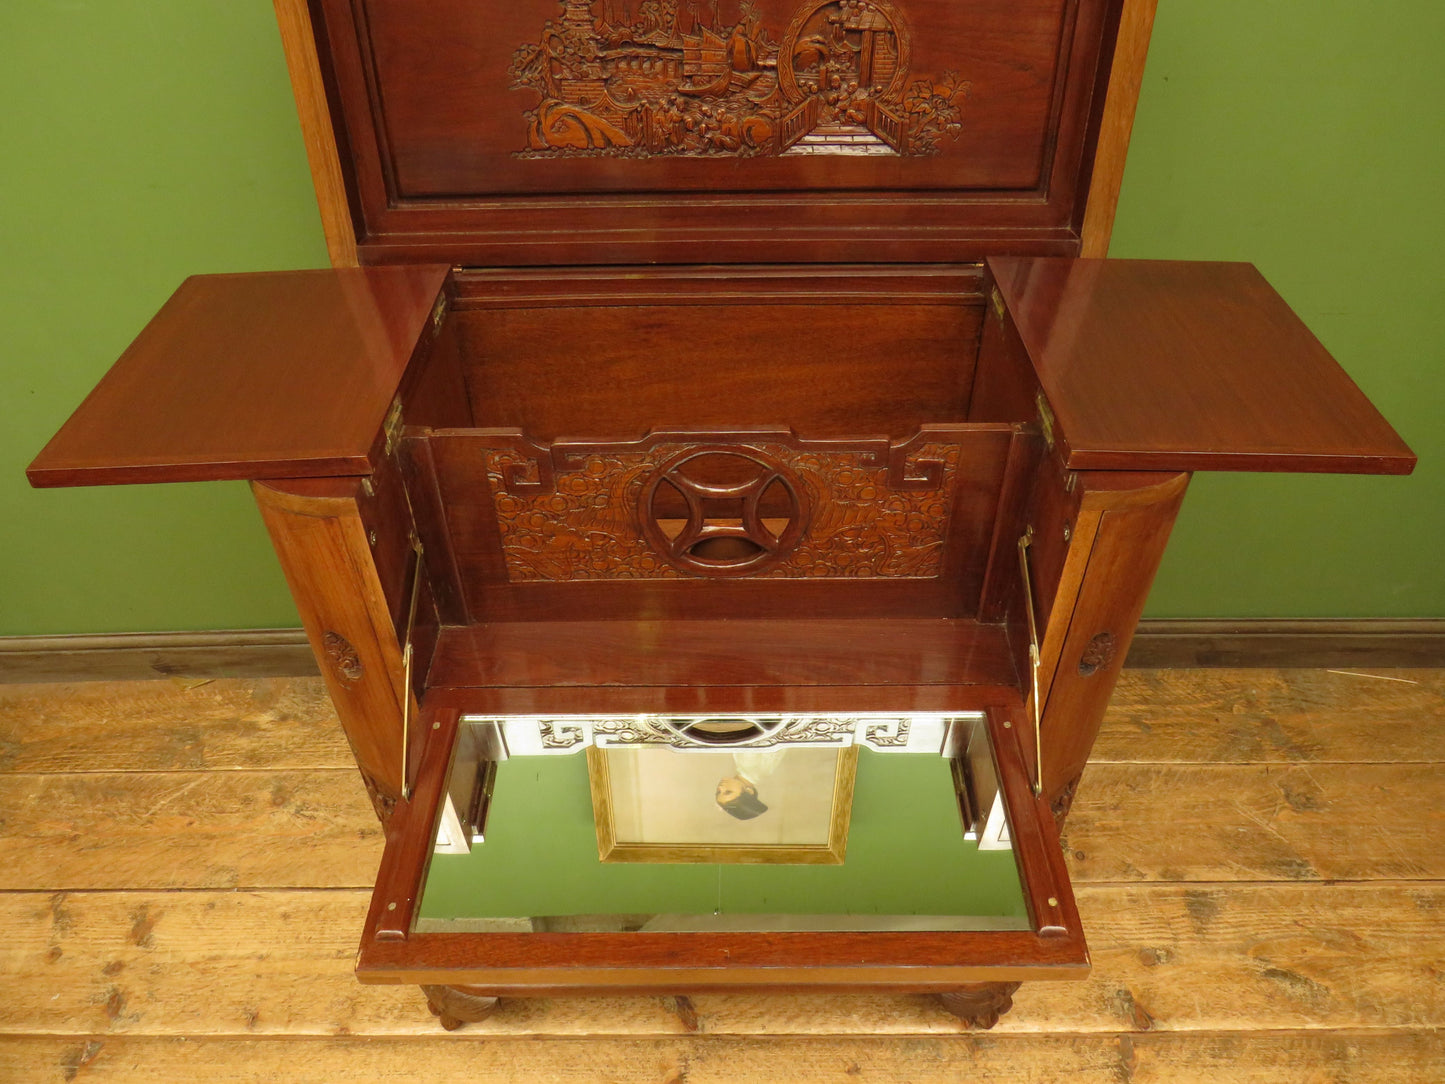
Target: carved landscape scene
<point>680,77</point>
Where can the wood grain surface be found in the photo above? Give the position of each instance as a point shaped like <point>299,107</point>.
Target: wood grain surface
<point>1367,1057</point>
<point>165,726</point>
<point>455,152</point>
<point>199,829</point>
<point>1164,365</point>
<point>1227,822</point>
<point>1275,716</point>
<point>269,375</point>
<point>308,87</point>
<point>1126,76</point>
<point>193,906</point>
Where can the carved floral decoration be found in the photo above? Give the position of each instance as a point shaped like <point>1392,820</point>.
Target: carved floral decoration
<point>671,78</point>
<point>342,656</point>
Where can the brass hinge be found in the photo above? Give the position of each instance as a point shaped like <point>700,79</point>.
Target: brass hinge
<point>438,313</point>
<point>1046,420</point>
<point>392,427</point>
<point>407,658</point>
<point>1026,541</point>
<point>996,299</point>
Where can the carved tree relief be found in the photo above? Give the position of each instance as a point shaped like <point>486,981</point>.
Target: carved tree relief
<point>667,507</point>
<point>673,80</point>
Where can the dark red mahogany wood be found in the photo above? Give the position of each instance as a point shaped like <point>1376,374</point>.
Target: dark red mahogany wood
<point>275,375</point>
<point>713,654</point>
<point>454,115</point>
<point>1162,365</point>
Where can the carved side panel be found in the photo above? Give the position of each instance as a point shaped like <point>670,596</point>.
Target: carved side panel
<point>322,544</point>
<point>667,508</point>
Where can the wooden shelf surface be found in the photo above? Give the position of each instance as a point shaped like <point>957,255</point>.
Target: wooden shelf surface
<point>859,664</point>
<point>270,375</point>
<point>1186,365</point>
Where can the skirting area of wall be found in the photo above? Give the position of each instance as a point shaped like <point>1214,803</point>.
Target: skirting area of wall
<point>1158,643</point>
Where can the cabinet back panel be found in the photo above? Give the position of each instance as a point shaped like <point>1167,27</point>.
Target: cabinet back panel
<point>823,369</point>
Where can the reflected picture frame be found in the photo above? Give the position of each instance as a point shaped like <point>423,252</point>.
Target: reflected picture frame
<point>639,819</point>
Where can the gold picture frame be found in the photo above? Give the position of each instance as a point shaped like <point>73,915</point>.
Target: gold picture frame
<point>651,804</point>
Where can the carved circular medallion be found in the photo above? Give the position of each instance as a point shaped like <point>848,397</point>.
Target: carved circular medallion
<point>725,729</point>
<point>832,43</point>
<point>722,511</point>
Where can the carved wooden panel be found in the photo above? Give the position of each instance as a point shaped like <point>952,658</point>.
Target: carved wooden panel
<point>581,132</point>
<point>672,80</point>
<point>678,505</point>
<point>711,524</point>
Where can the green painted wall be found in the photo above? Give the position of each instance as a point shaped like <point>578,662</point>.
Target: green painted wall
<point>1308,139</point>
<point>142,141</point>
<point>145,140</point>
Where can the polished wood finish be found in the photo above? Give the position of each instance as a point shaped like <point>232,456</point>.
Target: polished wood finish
<point>664,655</point>
<point>864,526</point>
<point>887,366</point>
<point>281,375</point>
<point>1162,365</point>
<point>415,436</point>
<point>308,85</point>
<point>1126,77</point>
<point>1119,537</point>
<point>434,104</point>
<point>326,554</point>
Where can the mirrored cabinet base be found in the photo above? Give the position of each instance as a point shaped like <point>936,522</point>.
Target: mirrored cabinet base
<point>947,878</point>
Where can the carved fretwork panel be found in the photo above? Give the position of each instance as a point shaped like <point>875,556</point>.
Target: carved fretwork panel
<point>768,506</point>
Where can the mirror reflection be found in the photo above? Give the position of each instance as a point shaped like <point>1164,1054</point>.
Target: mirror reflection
<point>860,822</point>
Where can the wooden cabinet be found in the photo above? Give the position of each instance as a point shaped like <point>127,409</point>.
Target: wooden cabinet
<point>715,363</point>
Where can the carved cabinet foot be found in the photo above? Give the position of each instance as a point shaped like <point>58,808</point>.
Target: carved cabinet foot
<point>980,1005</point>
<point>454,1006</point>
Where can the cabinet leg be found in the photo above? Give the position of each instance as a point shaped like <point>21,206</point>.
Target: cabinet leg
<point>980,1005</point>
<point>454,1006</point>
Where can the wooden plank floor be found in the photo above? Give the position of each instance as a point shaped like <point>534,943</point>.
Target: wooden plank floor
<point>1259,858</point>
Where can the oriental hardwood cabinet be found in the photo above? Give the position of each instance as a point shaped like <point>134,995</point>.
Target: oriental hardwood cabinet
<point>705,363</point>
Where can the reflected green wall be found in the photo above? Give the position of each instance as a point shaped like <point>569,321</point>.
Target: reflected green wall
<point>905,856</point>
<point>145,140</point>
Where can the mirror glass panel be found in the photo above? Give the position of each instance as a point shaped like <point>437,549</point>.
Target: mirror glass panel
<point>652,823</point>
